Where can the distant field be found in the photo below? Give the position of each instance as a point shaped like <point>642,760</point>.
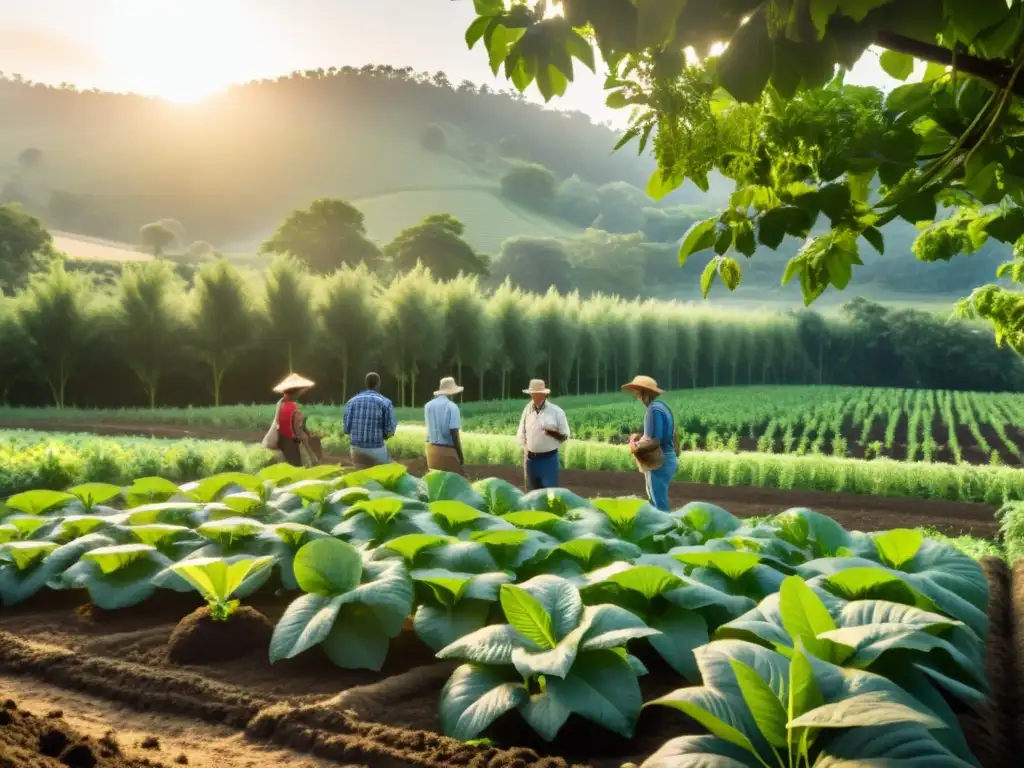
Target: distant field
<point>83,248</point>
<point>489,218</point>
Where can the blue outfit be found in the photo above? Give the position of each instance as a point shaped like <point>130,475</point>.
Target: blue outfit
<point>369,420</point>
<point>542,470</point>
<point>659,425</point>
<point>442,416</point>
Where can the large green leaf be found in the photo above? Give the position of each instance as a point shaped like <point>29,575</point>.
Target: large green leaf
<point>75,526</point>
<point>903,744</point>
<point>491,645</point>
<point>386,476</point>
<point>499,496</point>
<point>186,513</point>
<point>558,501</point>
<point>217,578</point>
<point>898,546</point>
<point>709,520</point>
<point>211,488</point>
<point>359,638</point>
<point>94,494</point>
<point>26,527</point>
<point>528,616</point>
<point>412,544</point>
<point>474,697</point>
<point>328,567</point>
<point>22,555</point>
<point>732,564</point>
<point>698,752</point>
<point>39,502</point>
<point>150,490</point>
<point>118,576</point>
<point>454,516</point>
<point>448,486</point>
<point>602,687</point>
<point>439,626</point>
<point>764,704</point>
<point>306,622</point>
<point>864,710</point>
<point>681,631</point>
<point>465,556</point>
<point>821,535</point>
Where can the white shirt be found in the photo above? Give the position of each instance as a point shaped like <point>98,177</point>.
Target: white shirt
<point>531,435</point>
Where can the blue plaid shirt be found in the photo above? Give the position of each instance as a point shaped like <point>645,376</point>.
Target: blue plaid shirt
<point>369,419</point>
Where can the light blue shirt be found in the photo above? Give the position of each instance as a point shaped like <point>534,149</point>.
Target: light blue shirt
<point>442,416</point>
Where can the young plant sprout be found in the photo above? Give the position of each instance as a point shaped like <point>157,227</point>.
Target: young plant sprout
<point>217,579</point>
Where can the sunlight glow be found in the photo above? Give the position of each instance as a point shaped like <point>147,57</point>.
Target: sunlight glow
<point>183,51</point>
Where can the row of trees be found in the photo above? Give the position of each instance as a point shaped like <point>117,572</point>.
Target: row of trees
<point>148,340</point>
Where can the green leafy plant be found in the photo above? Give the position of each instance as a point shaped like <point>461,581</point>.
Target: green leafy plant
<point>683,610</point>
<point>453,604</point>
<point>554,658</point>
<point>353,606</point>
<point>117,576</point>
<point>38,502</point>
<point>376,520</point>
<point>499,496</point>
<point>766,709</point>
<point>217,579</point>
<point>557,501</point>
<point>447,486</point>
<point>632,520</point>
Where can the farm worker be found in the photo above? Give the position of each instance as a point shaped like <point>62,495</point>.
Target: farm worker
<point>369,422</point>
<point>288,433</point>
<point>444,447</point>
<point>656,451</point>
<point>542,429</point>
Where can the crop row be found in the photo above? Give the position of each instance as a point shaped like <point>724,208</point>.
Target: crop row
<point>43,459</point>
<point>912,425</point>
<point>794,640</point>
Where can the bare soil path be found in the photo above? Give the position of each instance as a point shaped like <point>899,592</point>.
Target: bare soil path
<point>854,511</point>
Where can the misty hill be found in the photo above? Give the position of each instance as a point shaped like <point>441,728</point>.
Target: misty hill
<point>399,146</point>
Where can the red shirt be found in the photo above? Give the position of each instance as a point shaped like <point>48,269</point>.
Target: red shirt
<point>284,419</point>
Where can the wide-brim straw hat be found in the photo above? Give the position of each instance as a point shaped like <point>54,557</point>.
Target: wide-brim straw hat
<point>448,387</point>
<point>537,387</point>
<point>293,382</point>
<point>643,383</point>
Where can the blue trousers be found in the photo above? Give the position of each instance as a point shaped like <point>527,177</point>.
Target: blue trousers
<point>542,473</point>
<point>658,480</point>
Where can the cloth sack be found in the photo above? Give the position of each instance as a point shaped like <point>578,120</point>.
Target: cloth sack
<point>272,440</point>
<point>649,456</point>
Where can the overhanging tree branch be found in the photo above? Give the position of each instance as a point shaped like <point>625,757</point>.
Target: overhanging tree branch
<point>996,72</point>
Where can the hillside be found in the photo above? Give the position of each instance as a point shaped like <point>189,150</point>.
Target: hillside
<point>230,169</point>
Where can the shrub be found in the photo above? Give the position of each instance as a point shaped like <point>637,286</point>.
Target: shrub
<point>530,185</point>
<point>433,138</point>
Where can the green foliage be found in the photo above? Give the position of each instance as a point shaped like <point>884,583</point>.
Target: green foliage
<point>437,244</point>
<point>157,238</point>
<point>217,579</point>
<point>529,184</point>
<point>534,264</point>
<point>25,247</point>
<point>771,115</point>
<point>291,325</point>
<point>222,320</point>
<point>148,324</point>
<point>57,315</point>
<point>326,236</point>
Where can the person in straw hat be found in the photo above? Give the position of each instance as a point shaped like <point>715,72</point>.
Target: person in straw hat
<point>370,422</point>
<point>288,433</point>
<point>543,428</point>
<point>444,448</point>
<point>656,451</point>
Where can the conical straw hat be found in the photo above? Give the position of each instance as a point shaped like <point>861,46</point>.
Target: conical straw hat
<point>292,382</point>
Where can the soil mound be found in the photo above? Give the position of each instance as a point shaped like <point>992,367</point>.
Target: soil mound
<point>989,730</point>
<point>27,741</point>
<point>200,639</point>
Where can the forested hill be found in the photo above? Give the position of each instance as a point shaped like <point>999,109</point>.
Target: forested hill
<point>399,146</point>
<point>231,168</point>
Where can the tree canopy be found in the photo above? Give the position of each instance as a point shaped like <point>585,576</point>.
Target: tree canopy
<point>329,234</point>
<point>25,247</point>
<point>771,112</point>
<point>436,242</point>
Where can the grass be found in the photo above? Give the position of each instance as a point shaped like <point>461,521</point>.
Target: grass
<point>489,218</point>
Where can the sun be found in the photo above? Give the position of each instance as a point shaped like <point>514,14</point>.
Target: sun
<point>183,51</point>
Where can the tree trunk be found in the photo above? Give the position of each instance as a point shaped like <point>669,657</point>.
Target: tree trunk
<point>458,367</point>
<point>218,375</point>
<point>549,369</point>
<point>578,366</point>
<point>152,395</point>
<point>412,389</point>
<point>480,381</point>
<point>291,368</point>
<point>344,380</point>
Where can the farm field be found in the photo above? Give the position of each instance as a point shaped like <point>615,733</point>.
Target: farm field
<point>856,422</point>
<point>82,248</point>
<point>102,597</point>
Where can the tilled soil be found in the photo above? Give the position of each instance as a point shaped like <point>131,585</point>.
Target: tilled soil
<point>390,719</point>
<point>854,511</point>
<point>31,741</point>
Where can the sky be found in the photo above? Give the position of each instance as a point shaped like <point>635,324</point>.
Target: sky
<point>182,50</point>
